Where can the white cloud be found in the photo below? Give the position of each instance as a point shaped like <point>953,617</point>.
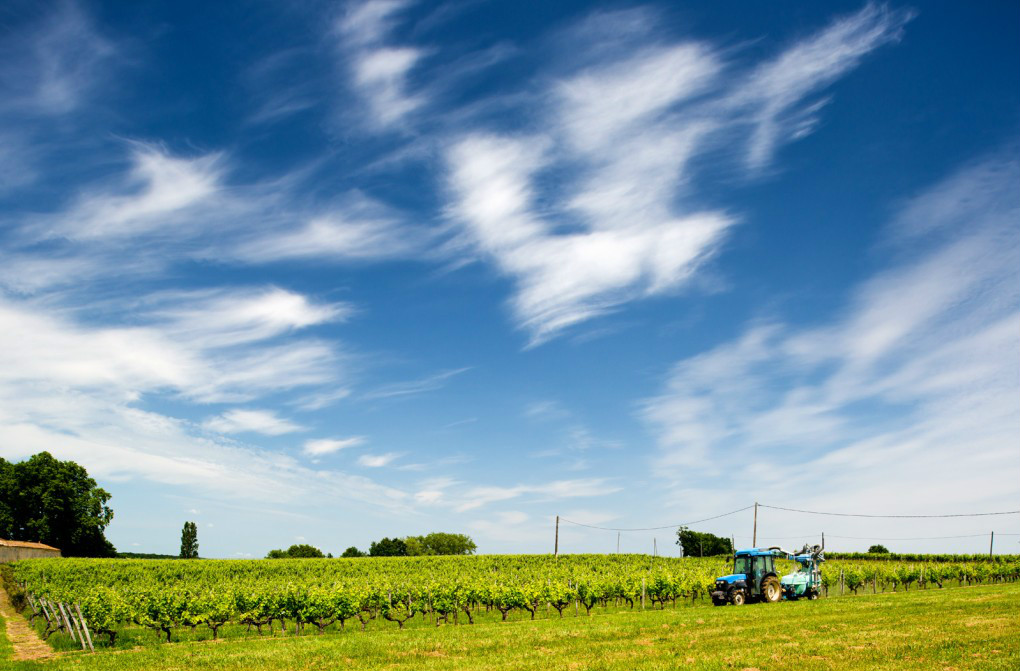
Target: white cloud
<point>596,209</point>
<point>221,318</point>
<point>332,236</point>
<point>379,71</point>
<point>159,190</point>
<point>477,497</point>
<point>265,422</point>
<point>54,64</point>
<point>912,387</point>
<point>772,91</point>
<point>566,278</point>
<point>414,387</point>
<point>377,460</point>
<point>323,446</point>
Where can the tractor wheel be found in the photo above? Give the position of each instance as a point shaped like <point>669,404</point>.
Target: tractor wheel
<point>771,590</point>
<point>738,598</point>
<point>812,595</point>
<point>718,602</point>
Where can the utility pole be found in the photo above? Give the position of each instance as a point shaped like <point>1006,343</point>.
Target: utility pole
<point>556,543</point>
<point>617,542</point>
<point>991,544</point>
<point>754,539</point>
<point>655,547</point>
<point>733,543</point>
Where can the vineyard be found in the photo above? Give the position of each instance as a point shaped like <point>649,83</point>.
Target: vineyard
<point>120,600</point>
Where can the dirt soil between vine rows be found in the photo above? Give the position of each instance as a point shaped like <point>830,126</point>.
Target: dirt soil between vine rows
<point>24,639</point>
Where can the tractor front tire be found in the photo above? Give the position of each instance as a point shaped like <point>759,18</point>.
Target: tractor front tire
<point>771,590</point>
<point>738,598</point>
<point>812,595</point>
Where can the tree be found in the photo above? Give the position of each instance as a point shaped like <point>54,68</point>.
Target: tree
<point>439,543</point>
<point>702,544</point>
<point>302,551</point>
<point>878,549</point>
<point>388,548</point>
<point>55,502</point>
<point>353,552</point>
<point>189,541</point>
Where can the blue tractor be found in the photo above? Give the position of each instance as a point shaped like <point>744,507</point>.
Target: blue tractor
<point>754,576</point>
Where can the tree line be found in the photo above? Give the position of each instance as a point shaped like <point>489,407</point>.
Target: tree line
<point>433,544</point>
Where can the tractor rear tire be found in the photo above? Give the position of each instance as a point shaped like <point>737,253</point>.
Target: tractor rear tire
<point>738,598</point>
<point>771,590</point>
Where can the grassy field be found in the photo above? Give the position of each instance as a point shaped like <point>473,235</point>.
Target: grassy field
<point>952,629</point>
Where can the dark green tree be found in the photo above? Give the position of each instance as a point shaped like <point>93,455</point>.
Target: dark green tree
<point>439,543</point>
<point>702,544</point>
<point>878,549</point>
<point>388,547</point>
<point>189,541</point>
<point>302,551</point>
<point>55,502</point>
<point>353,552</point>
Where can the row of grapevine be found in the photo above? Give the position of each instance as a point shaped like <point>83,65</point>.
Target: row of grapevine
<point>321,594</point>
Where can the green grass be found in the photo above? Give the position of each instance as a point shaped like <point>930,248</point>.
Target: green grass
<point>952,629</point>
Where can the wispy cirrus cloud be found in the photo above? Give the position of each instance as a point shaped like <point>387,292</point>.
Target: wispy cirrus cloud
<point>913,385</point>
<point>55,64</point>
<point>378,460</point>
<point>265,422</point>
<point>596,208</point>
<point>413,387</point>
<point>323,446</point>
<point>378,69</point>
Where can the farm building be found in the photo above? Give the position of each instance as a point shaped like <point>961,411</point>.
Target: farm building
<point>15,550</point>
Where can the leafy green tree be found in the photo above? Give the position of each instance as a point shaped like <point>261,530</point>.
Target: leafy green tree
<point>353,552</point>
<point>189,541</point>
<point>300,551</point>
<point>702,544</point>
<point>388,547</point>
<point>878,549</point>
<point>439,543</point>
<point>55,502</point>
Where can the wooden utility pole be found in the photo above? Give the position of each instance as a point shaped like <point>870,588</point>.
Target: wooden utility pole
<point>655,547</point>
<point>823,540</point>
<point>556,543</point>
<point>754,538</point>
<point>617,542</point>
<point>991,544</point>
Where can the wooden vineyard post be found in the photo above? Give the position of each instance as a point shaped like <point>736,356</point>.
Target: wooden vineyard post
<point>77,626</point>
<point>67,621</point>
<point>642,593</point>
<point>841,582</point>
<point>85,628</point>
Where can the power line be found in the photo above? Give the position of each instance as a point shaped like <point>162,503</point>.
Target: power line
<point>873,538</point>
<point>668,526</point>
<point>815,512</point>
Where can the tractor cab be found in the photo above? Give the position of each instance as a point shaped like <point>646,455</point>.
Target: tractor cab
<point>754,578</point>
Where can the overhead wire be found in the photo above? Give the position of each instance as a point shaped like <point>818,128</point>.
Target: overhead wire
<point>668,526</point>
<point>815,512</point>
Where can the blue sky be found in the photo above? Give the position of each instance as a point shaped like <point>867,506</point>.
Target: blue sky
<point>324,272</point>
